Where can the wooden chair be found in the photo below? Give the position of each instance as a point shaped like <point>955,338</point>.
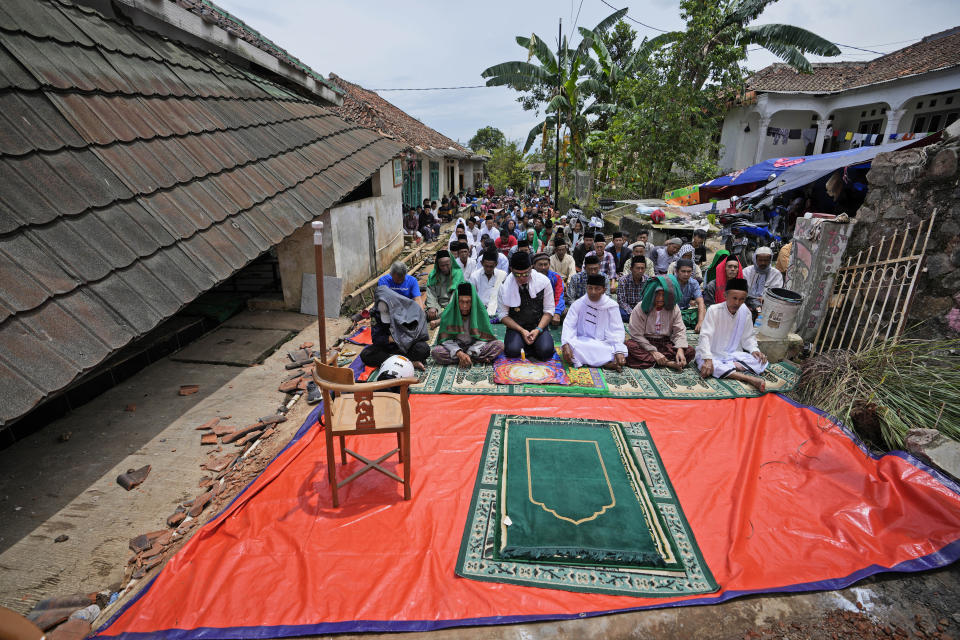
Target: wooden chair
<point>363,409</point>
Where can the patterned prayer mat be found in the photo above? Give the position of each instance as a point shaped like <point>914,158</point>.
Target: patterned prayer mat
<point>521,371</point>
<point>614,528</point>
<point>629,383</point>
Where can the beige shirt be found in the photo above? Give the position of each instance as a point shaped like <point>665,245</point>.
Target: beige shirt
<point>644,325</point>
<point>566,267</point>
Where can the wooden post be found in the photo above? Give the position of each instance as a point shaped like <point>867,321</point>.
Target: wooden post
<point>321,316</point>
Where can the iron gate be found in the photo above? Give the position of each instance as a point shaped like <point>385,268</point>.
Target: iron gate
<point>872,293</point>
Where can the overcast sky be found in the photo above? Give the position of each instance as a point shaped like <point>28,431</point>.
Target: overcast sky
<point>439,43</point>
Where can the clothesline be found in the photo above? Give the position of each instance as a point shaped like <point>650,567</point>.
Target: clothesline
<point>782,135</point>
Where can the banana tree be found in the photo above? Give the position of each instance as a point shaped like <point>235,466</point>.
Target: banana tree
<point>570,87</point>
<point>715,26</point>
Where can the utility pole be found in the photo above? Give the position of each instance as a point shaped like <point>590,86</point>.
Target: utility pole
<point>556,164</point>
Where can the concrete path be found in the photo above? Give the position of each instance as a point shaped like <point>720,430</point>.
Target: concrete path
<point>61,480</point>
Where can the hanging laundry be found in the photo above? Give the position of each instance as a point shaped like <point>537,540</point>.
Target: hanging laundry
<point>781,135</point>
<point>848,135</point>
<point>809,136</point>
<point>794,134</point>
<point>893,136</point>
<point>835,134</point>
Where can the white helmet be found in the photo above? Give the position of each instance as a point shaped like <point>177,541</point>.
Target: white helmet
<point>396,367</point>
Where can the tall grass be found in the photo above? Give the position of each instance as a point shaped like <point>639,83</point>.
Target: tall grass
<point>885,391</point>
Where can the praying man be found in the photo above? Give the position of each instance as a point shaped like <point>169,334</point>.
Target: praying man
<point>728,343</point>
<point>593,331</point>
<point>526,309</point>
<point>761,276</point>
<point>657,334</point>
<point>465,335</point>
<point>441,283</point>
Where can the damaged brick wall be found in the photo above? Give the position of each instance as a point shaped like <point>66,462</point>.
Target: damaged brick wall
<point>905,187</point>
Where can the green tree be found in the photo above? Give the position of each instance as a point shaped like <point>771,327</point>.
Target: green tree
<point>487,138</point>
<point>714,44</point>
<point>569,86</point>
<point>506,167</point>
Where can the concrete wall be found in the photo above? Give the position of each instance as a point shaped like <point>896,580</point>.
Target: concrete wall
<point>346,246</point>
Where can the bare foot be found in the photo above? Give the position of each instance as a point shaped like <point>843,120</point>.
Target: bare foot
<point>613,366</point>
<point>673,364</point>
<point>419,366</point>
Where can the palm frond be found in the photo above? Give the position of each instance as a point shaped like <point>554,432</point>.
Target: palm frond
<point>609,21</point>
<point>600,107</point>
<point>518,73</point>
<point>745,11</point>
<point>789,35</point>
<point>538,131</point>
<point>538,48</point>
<point>791,55</point>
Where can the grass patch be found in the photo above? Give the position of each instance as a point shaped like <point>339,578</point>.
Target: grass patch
<point>886,390</point>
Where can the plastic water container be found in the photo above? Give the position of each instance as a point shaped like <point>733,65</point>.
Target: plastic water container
<point>780,308</point>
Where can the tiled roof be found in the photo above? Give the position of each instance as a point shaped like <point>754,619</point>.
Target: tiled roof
<point>369,109</point>
<point>933,53</point>
<point>136,173</point>
<point>214,14</point>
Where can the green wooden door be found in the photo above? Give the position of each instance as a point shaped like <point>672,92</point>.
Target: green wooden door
<point>412,184</point>
<point>434,180</point>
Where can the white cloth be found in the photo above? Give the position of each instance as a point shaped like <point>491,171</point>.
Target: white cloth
<point>468,268</point>
<point>727,339</point>
<point>487,288</point>
<point>594,331</point>
<point>509,295</point>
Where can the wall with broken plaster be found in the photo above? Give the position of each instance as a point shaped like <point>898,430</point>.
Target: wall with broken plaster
<point>905,187</point>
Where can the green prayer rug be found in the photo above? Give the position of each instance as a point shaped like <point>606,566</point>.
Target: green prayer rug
<point>580,505</point>
<point>656,382</point>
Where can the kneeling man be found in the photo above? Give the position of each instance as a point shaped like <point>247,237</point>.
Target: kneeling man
<point>526,308</point>
<point>465,335</point>
<point>593,331</point>
<point>657,334</point>
<point>728,343</point>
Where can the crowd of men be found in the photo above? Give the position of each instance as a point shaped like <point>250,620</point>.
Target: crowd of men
<point>520,264</point>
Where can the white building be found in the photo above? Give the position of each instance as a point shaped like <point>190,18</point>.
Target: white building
<point>434,166</point>
<point>785,113</point>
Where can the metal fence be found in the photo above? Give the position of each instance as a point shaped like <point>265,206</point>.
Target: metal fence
<point>873,290</point>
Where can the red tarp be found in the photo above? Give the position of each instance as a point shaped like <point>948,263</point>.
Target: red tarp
<point>778,497</point>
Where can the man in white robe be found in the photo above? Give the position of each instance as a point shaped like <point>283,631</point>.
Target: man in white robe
<point>728,343</point>
<point>761,276</point>
<point>593,334</point>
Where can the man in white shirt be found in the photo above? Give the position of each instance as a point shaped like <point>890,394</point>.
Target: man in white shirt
<point>491,228</point>
<point>593,332</point>
<point>728,343</point>
<point>526,308</point>
<point>463,258</point>
<point>487,279</point>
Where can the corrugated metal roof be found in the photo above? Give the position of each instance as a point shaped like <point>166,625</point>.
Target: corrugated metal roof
<point>136,173</point>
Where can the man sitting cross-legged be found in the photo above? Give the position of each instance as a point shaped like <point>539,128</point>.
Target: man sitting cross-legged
<point>526,308</point>
<point>593,331</point>
<point>657,334</point>
<point>465,335</point>
<point>728,343</point>
<point>441,283</point>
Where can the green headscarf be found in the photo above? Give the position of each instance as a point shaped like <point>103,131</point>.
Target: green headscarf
<point>711,273</point>
<point>671,292</point>
<point>456,273</point>
<point>451,320</point>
